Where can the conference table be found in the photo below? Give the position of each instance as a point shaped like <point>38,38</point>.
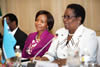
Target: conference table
<point>50,64</point>
<point>37,63</point>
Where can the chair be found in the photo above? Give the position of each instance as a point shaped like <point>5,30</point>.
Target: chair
<point>98,52</point>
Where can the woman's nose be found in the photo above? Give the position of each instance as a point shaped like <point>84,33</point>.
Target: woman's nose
<point>65,20</point>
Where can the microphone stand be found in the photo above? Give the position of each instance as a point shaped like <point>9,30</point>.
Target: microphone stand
<point>33,63</point>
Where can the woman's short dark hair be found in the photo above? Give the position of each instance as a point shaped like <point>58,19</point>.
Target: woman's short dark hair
<point>79,11</point>
<point>50,19</point>
<point>12,17</point>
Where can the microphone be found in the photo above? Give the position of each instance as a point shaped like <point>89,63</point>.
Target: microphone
<point>56,35</point>
<point>41,50</point>
<point>32,64</point>
<point>34,61</point>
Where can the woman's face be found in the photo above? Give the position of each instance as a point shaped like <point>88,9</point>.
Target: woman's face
<point>41,23</point>
<point>71,22</point>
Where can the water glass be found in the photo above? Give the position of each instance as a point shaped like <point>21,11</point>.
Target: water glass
<point>73,59</point>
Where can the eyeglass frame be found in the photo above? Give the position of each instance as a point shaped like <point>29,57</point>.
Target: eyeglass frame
<point>67,17</point>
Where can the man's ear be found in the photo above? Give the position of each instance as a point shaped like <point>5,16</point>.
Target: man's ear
<point>14,23</point>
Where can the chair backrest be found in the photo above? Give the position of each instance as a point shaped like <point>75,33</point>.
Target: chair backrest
<point>98,52</point>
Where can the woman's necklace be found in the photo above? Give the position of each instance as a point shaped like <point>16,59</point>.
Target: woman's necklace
<point>70,34</point>
<point>38,39</point>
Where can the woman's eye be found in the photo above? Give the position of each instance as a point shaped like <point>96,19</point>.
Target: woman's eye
<point>36,20</point>
<point>42,21</point>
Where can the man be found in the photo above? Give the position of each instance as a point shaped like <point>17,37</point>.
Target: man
<point>19,35</point>
<point>0,40</point>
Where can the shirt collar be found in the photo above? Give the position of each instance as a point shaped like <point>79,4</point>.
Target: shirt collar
<point>14,31</point>
<point>79,32</point>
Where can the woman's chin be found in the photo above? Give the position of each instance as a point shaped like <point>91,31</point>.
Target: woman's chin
<point>66,28</point>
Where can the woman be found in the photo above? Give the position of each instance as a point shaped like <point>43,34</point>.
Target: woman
<point>44,22</point>
<point>74,35</point>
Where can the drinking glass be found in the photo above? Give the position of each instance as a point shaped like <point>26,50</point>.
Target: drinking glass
<point>73,59</point>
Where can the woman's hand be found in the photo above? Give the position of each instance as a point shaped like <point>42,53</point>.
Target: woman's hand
<point>36,58</point>
<point>60,62</point>
<point>40,58</point>
<point>44,59</point>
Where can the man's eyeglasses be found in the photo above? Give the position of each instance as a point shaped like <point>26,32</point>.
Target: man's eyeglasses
<point>67,17</point>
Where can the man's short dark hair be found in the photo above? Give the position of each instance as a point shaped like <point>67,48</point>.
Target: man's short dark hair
<point>12,17</point>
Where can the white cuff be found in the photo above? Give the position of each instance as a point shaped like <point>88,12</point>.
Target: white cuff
<point>49,57</point>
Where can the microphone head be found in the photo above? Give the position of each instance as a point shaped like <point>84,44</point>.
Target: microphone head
<point>56,35</point>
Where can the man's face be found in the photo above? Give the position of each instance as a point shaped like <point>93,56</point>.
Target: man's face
<point>12,25</point>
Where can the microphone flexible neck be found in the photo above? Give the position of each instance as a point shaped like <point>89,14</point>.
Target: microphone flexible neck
<point>42,49</point>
